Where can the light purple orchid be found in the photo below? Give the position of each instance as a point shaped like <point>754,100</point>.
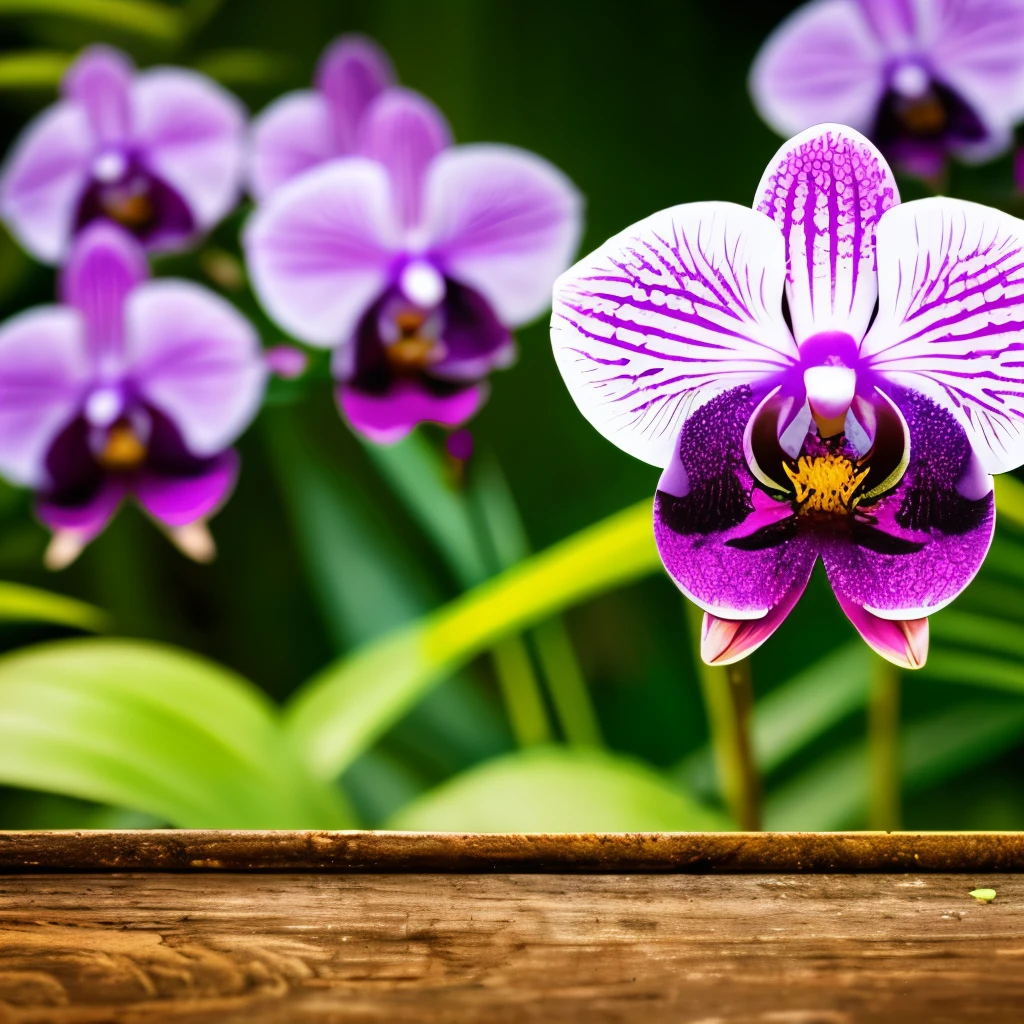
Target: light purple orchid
<point>806,399</point>
<point>922,78</point>
<point>160,152</point>
<point>132,386</point>
<point>412,260</point>
<point>308,127</point>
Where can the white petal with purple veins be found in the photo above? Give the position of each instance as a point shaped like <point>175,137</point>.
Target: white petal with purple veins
<point>319,251</point>
<point>825,189</point>
<point>503,221</point>
<point>823,63</point>
<point>44,178</point>
<point>667,314</point>
<point>191,133</point>
<point>43,375</point>
<point>197,359</point>
<point>292,135</point>
<point>951,318</point>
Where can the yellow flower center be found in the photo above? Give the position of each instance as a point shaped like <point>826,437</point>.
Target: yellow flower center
<point>412,350</point>
<point>123,450</point>
<point>825,483</point>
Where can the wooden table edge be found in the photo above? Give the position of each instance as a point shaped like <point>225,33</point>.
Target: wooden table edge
<point>183,850</point>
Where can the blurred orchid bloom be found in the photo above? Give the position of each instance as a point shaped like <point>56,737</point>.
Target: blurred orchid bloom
<point>922,78</point>
<point>132,386</point>
<point>160,152</point>
<point>412,261</point>
<point>861,427</point>
<point>307,127</point>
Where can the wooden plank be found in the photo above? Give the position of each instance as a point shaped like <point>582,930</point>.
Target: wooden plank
<point>412,948</point>
<point>697,852</point>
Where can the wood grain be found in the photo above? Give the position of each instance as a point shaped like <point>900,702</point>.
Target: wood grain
<point>412,948</point>
<point>697,852</point>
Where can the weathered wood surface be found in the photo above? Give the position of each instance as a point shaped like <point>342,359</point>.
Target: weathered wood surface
<point>698,852</point>
<point>409,948</point>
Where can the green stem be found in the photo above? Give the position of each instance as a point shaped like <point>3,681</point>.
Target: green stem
<point>568,688</point>
<point>523,701</point>
<point>883,747</point>
<point>728,700</point>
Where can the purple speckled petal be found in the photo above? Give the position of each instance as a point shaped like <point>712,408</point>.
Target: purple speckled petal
<point>826,190</point>
<point>100,82</point>
<point>191,134</point>
<point>44,178</point>
<point>977,49</point>
<point>404,131</point>
<point>194,357</point>
<point>951,318</point>
<point>320,249</point>
<point>387,418</point>
<point>179,499</point>
<point>106,264</point>
<point>706,499</point>
<point>678,307</point>
<point>904,642</point>
<point>88,517</point>
<point>505,222</point>
<point>292,135</point>
<point>943,506</point>
<point>351,74</point>
<point>43,375</point>
<point>823,63</point>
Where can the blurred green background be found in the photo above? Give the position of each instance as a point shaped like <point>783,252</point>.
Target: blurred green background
<point>644,108</point>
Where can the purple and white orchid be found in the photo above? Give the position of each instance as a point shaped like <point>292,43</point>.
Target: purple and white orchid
<point>308,127</point>
<point>922,78</point>
<point>131,386</point>
<point>805,397</point>
<point>412,260</point>
<point>161,152</point>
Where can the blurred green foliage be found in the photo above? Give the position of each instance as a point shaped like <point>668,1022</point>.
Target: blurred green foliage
<point>328,548</point>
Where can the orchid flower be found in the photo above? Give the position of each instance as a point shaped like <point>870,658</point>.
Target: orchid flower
<point>160,152</point>
<point>412,261</point>
<point>805,397</point>
<point>131,386</point>
<point>922,78</point>
<point>308,127</point>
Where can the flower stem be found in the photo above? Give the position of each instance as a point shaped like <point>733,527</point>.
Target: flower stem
<point>566,685</point>
<point>524,704</point>
<point>883,747</point>
<point>728,700</point>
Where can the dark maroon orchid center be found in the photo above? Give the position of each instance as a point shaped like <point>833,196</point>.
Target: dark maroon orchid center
<point>411,337</point>
<point>121,448</point>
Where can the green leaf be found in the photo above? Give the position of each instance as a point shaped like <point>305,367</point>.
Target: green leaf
<point>140,17</point>
<point>1010,500</point>
<point>148,727</point>
<point>952,626</point>
<point>557,789</point>
<point>241,67</point>
<point>36,69</point>
<point>958,666</point>
<point>341,711</point>
<point>27,604</point>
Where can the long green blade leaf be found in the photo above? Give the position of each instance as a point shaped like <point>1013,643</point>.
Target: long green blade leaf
<point>552,789</point>
<point>345,708</point>
<point>148,727</point>
<point>141,17</point>
<point>27,604</point>
<point>38,69</point>
<point>1010,499</point>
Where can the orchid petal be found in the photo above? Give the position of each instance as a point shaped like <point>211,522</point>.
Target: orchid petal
<point>895,23</point>
<point>87,519</point>
<point>353,71</point>
<point>105,265</point>
<point>292,135</point>
<point>503,221</point>
<point>387,418</point>
<point>43,373</point>
<point>190,133</point>
<point>177,500</point>
<point>917,548</point>
<point>706,510</point>
<point>726,641</point>
<point>194,357</point>
<point>904,642</point>
<point>405,132</point>
<point>665,315</point>
<point>100,82</point>
<point>44,178</point>
<point>951,318</point>
<point>822,63</point>
<point>826,189</point>
<point>320,250</point>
